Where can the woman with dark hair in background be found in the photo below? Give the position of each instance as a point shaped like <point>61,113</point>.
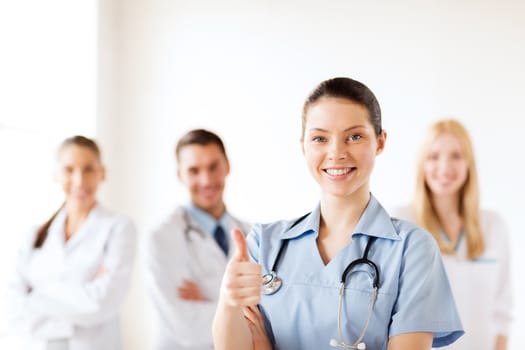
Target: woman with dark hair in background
<point>73,272</point>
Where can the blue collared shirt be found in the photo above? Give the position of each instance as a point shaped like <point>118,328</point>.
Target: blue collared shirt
<point>414,294</point>
<point>207,222</point>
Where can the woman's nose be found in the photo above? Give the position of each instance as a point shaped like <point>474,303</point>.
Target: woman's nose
<point>78,178</point>
<point>337,150</point>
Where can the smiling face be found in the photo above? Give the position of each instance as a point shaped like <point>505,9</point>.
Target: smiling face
<point>340,146</point>
<point>80,173</point>
<point>445,166</point>
<point>203,170</point>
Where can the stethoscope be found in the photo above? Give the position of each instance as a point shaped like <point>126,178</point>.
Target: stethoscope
<point>271,283</point>
<point>188,226</point>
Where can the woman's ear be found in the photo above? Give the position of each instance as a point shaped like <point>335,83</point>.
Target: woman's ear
<point>381,140</point>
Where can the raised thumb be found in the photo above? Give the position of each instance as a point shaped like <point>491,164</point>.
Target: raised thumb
<point>241,254</point>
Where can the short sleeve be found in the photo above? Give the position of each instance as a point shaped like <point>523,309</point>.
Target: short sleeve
<point>425,302</point>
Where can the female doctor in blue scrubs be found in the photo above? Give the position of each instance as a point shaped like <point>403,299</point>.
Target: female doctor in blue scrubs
<point>345,275</point>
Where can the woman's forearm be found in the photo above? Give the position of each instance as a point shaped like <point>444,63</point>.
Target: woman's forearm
<point>412,341</point>
<point>230,329</point>
<point>501,342</point>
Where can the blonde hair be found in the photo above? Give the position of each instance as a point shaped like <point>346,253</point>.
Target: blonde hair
<point>424,212</point>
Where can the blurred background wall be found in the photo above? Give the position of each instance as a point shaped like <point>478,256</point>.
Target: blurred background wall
<point>243,69</point>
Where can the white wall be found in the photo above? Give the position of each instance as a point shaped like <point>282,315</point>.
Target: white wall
<point>243,68</point>
<point>48,78</point>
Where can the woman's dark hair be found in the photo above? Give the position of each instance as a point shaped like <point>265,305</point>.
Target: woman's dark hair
<point>199,137</point>
<point>349,89</point>
<point>41,234</point>
<point>77,140</point>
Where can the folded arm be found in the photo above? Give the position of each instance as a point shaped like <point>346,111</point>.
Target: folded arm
<point>95,301</point>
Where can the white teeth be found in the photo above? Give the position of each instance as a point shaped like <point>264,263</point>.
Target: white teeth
<point>338,172</point>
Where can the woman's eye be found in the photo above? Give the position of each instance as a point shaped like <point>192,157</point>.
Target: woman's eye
<point>318,139</point>
<point>355,137</point>
<point>456,156</point>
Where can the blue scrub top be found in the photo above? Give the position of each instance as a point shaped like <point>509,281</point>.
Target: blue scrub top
<point>414,293</point>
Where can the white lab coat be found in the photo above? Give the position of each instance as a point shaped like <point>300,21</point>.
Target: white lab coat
<point>482,288</point>
<point>171,256</point>
<point>66,300</point>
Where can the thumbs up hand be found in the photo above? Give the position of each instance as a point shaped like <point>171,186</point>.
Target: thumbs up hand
<point>241,283</point>
<point>241,252</point>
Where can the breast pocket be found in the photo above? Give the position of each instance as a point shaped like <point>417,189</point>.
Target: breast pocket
<point>43,266</point>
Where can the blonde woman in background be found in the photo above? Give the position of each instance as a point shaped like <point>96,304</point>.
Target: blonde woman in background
<point>73,271</point>
<point>474,242</point>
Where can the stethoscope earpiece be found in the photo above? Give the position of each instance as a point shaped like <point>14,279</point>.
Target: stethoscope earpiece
<point>271,283</point>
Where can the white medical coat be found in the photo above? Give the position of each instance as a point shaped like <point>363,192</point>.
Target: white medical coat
<point>482,287</point>
<point>173,255</point>
<point>66,300</point>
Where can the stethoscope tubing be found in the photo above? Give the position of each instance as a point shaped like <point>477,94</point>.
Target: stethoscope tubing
<point>272,276</point>
<point>271,283</point>
<point>189,227</point>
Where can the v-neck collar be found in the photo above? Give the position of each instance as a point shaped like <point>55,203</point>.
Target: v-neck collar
<point>445,237</point>
<point>58,227</point>
<point>374,221</point>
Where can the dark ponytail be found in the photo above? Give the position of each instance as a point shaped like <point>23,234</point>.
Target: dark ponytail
<point>41,234</point>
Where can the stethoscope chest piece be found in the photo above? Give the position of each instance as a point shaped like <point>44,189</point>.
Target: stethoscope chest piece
<point>271,283</point>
